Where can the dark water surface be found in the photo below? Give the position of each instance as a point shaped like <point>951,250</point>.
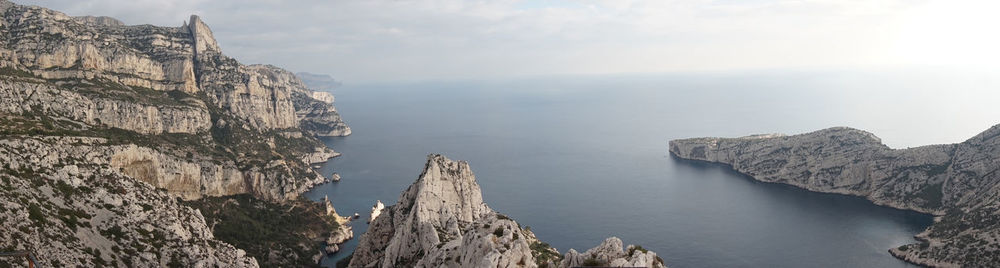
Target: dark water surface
<point>579,159</point>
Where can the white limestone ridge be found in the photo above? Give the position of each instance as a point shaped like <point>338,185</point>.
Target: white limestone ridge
<point>958,182</point>
<point>105,125</point>
<point>442,221</point>
<point>203,39</point>
<point>66,203</point>
<point>99,73</point>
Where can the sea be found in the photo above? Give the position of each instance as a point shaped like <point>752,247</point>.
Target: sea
<point>580,158</point>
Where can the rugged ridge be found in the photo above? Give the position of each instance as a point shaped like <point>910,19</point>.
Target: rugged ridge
<point>103,126</point>
<point>98,73</point>
<point>442,221</point>
<point>63,201</point>
<point>957,182</point>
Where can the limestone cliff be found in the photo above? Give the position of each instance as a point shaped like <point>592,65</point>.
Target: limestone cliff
<point>63,201</point>
<point>958,182</point>
<point>442,221</point>
<point>104,125</point>
<point>209,125</point>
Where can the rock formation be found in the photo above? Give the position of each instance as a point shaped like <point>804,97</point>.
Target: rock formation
<point>442,221</point>
<point>341,234</point>
<point>610,253</point>
<point>957,182</point>
<point>170,86</point>
<point>64,202</point>
<point>376,210</point>
<point>102,124</point>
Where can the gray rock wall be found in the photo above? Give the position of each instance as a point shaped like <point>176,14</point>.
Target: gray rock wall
<point>959,182</point>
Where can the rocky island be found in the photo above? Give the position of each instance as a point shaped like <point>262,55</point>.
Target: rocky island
<point>959,183</point>
<point>442,221</point>
<point>111,133</point>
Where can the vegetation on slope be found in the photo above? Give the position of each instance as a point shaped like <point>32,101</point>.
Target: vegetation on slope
<point>278,235</point>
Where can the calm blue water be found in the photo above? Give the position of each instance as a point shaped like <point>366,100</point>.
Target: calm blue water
<point>579,159</point>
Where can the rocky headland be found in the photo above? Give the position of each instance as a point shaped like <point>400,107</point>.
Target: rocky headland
<point>109,132</point>
<point>442,221</point>
<point>959,182</point>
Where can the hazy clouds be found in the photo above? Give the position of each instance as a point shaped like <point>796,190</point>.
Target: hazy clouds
<point>364,41</point>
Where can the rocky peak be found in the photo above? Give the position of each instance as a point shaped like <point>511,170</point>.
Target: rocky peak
<point>204,41</point>
<point>446,191</point>
<point>442,221</point>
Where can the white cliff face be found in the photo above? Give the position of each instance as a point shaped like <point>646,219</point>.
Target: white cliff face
<point>131,117</point>
<point>204,40</point>
<point>186,179</point>
<point>185,116</point>
<point>65,204</point>
<point>101,75</point>
<point>323,96</point>
<point>441,221</point>
<point>958,182</point>
<point>837,160</point>
<point>57,46</point>
<point>51,45</point>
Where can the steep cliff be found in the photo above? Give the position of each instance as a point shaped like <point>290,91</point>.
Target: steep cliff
<point>958,182</point>
<point>63,201</point>
<point>442,221</point>
<point>244,128</point>
<point>104,125</point>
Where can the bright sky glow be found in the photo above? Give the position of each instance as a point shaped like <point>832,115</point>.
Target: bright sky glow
<point>383,40</point>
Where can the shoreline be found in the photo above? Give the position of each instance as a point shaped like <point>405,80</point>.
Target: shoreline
<point>677,158</point>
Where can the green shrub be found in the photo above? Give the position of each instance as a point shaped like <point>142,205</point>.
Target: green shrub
<point>35,214</point>
<point>591,262</point>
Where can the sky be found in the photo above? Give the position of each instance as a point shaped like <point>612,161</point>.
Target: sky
<point>402,40</point>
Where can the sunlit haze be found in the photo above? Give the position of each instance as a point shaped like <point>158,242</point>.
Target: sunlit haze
<point>384,41</point>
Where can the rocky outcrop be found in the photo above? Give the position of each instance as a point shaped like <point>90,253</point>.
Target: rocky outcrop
<point>147,115</point>
<point>319,117</point>
<point>55,46</point>
<point>958,182</point>
<point>323,96</point>
<point>320,155</point>
<point>63,202</point>
<point>103,126</point>
<point>442,221</point>
<point>208,124</point>
<point>344,231</point>
<point>610,254</point>
<point>376,210</point>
